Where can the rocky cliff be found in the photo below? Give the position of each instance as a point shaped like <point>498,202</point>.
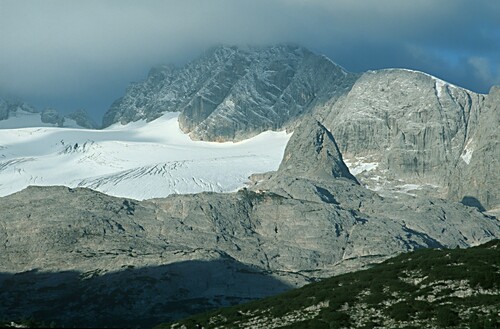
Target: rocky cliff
<point>406,131</point>
<point>233,93</point>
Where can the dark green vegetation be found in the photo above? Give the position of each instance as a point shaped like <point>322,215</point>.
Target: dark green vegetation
<point>427,288</point>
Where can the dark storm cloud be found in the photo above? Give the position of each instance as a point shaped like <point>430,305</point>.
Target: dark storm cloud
<point>83,53</point>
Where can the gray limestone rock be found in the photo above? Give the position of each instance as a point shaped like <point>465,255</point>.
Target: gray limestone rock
<point>233,93</point>
<point>4,109</point>
<point>406,131</point>
<point>82,118</point>
<point>476,176</point>
<point>312,152</point>
<point>50,115</point>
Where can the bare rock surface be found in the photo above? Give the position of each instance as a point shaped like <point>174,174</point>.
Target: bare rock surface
<point>408,132</point>
<point>233,93</point>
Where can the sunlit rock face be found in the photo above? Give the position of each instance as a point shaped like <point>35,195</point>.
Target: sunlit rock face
<point>233,93</point>
<point>404,131</point>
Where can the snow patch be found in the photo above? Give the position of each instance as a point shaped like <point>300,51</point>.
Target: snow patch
<point>140,160</point>
<point>358,165</point>
<point>440,84</point>
<point>229,103</point>
<point>438,81</point>
<point>467,152</point>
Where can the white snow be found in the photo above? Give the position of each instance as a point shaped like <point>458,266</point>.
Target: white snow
<point>23,119</point>
<point>229,103</point>
<point>140,160</point>
<point>467,153</point>
<point>438,81</point>
<point>358,165</point>
<point>440,84</point>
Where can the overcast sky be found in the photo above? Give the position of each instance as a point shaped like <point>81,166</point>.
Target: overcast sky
<point>82,54</point>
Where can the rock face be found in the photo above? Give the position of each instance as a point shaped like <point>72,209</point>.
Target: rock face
<point>399,131</point>
<point>406,131</point>
<point>82,119</point>
<point>292,227</point>
<point>18,109</point>
<point>9,106</point>
<point>233,93</point>
<point>313,153</point>
<point>476,177</point>
<point>52,116</point>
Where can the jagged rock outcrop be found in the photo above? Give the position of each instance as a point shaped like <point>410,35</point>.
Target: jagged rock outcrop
<point>27,116</point>
<point>9,106</point>
<point>50,115</point>
<point>402,130</point>
<point>82,119</point>
<point>233,93</point>
<point>312,152</point>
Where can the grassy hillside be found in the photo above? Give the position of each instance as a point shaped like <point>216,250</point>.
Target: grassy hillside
<point>428,288</point>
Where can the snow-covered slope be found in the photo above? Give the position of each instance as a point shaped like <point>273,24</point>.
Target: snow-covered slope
<point>139,160</point>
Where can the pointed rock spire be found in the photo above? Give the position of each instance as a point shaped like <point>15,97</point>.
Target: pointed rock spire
<point>312,153</point>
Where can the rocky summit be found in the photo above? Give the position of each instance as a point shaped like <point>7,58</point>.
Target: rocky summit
<point>399,131</point>
<point>379,164</point>
<point>232,93</point>
<point>404,131</point>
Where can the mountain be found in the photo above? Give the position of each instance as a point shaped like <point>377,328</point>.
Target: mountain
<point>424,289</point>
<point>399,131</point>
<point>233,93</point>
<point>403,131</point>
<point>8,106</point>
<point>16,114</point>
<point>140,160</point>
<point>378,164</point>
<point>145,257</point>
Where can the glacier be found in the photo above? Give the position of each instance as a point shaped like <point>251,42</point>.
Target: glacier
<point>140,160</point>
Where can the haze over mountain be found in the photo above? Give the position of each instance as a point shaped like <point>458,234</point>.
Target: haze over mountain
<point>82,55</point>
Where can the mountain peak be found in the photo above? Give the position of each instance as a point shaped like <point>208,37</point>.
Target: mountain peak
<point>233,92</point>
<point>312,153</point>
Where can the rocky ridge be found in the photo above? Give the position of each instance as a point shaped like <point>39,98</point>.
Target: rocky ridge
<point>399,131</point>
<point>407,132</point>
<point>50,116</point>
<point>232,93</point>
<point>9,106</point>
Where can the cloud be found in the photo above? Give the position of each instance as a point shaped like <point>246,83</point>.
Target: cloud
<point>483,70</point>
<point>57,49</point>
